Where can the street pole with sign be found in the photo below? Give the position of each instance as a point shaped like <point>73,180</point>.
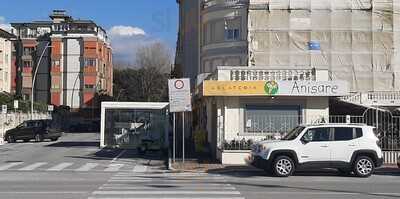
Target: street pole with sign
<point>4,116</point>
<point>179,101</point>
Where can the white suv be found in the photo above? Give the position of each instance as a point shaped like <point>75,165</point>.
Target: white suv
<point>346,147</point>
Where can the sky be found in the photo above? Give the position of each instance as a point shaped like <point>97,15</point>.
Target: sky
<point>129,23</point>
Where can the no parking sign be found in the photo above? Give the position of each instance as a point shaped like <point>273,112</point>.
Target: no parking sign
<point>179,95</point>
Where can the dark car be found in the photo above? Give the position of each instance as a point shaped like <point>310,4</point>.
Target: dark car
<point>33,129</point>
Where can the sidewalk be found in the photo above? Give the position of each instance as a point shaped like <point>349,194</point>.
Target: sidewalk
<point>208,166</point>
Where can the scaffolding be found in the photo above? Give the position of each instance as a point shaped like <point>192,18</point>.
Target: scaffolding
<point>357,40</point>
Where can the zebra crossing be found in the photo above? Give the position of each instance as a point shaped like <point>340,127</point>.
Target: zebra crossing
<point>166,185</point>
<point>71,166</point>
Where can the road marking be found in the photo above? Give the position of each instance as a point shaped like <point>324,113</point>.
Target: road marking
<point>140,168</point>
<point>33,166</point>
<point>191,188</point>
<point>172,184</point>
<point>87,167</point>
<point>119,155</point>
<point>60,167</point>
<point>168,198</point>
<point>43,192</point>
<point>8,166</point>
<point>114,167</point>
<point>166,192</point>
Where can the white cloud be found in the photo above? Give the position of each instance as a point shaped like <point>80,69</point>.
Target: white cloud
<point>126,31</point>
<point>3,25</point>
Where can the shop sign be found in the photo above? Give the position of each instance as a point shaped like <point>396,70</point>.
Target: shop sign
<point>275,88</point>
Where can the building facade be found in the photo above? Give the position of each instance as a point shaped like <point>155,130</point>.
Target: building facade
<point>6,61</point>
<point>76,62</point>
<point>267,65</point>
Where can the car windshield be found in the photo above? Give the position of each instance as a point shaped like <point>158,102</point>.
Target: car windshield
<point>294,133</point>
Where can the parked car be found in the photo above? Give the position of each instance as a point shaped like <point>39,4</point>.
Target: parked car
<point>398,161</point>
<point>33,129</point>
<point>346,147</point>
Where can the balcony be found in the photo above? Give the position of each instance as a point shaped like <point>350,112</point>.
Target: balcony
<point>378,98</point>
<point>229,73</point>
<point>223,3</point>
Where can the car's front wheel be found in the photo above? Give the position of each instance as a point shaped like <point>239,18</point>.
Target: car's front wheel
<point>363,166</point>
<point>283,166</point>
<point>10,139</point>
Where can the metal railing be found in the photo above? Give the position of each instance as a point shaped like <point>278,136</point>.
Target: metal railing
<point>274,127</point>
<point>244,73</point>
<point>211,3</point>
<point>376,98</point>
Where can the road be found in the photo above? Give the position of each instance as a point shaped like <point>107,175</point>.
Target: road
<point>75,168</point>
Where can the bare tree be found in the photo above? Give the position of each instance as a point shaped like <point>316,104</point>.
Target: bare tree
<point>155,63</point>
<point>150,81</point>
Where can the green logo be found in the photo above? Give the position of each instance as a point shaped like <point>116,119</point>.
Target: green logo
<point>271,88</point>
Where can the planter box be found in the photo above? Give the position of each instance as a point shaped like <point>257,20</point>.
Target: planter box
<point>234,157</point>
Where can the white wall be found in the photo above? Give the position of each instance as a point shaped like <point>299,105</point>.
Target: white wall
<point>72,79</point>
<point>5,57</point>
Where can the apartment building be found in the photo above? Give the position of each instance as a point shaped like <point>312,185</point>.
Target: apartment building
<point>6,62</point>
<point>76,62</point>
<point>262,67</point>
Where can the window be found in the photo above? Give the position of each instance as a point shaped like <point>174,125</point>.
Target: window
<point>343,133</point>
<point>294,133</point>
<point>267,119</point>
<point>28,51</point>
<point>232,29</point>
<point>359,132</point>
<point>317,135</point>
<point>89,86</point>
<point>56,63</point>
<point>27,64</point>
<point>90,62</point>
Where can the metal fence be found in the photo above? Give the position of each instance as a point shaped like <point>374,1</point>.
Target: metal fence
<point>274,127</point>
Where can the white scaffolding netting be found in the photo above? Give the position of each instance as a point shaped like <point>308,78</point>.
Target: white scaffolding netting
<point>357,40</point>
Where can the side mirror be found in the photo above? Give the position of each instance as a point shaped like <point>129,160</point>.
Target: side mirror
<point>304,141</point>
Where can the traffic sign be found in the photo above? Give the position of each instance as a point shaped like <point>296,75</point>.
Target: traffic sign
<point>4,109</point>
<point>179,95</point>
<point>50,108</point>
<point>16,105</point>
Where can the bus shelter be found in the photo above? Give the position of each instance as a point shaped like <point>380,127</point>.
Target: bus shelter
<point>134,125</point>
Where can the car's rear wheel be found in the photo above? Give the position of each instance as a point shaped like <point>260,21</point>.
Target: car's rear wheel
<point>363,166</point>
<point>26,140</point>
<point>10,139</point>
<point>54,139</point>
<point>38,138</point>
<point>283,166</point>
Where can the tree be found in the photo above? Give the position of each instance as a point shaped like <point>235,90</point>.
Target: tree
<point>149,82</point>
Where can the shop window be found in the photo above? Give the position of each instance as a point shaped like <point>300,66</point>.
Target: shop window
<point>271,120</point>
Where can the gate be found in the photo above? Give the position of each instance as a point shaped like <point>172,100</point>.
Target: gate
<point>387,125</point>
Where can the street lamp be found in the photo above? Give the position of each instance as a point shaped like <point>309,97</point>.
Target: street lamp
<point>34,76</point>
